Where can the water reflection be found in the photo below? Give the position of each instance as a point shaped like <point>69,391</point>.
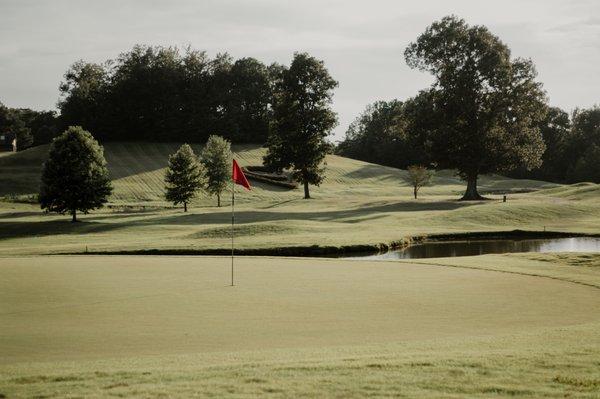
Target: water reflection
<point>480,247</point>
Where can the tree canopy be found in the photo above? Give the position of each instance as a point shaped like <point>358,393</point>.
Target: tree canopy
<point>28,126</point>
<point>216,158</point>
<point>302,120</point>
<point>165,94</point>
<point>418,176</point>
<point>387,133</point>
<point>487,105</point>
<point>75,176</point>
<point>184,177</point>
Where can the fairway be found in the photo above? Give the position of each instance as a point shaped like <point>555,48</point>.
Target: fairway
<point>74,308</point>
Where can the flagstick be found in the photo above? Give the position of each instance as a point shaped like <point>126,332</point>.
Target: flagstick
<point>232,223</point>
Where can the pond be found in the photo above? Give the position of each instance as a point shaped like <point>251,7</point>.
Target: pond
<point>445,249</point>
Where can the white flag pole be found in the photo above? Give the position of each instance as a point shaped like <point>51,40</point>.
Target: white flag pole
<point>232,224</point>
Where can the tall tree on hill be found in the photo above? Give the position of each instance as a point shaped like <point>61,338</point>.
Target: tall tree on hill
<point>185,175</point>
<point>488,105</point>
<point>302,120</point>
<point>75,176</point>
<point>216,158</point>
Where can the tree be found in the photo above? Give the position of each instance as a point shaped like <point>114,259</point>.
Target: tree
<point>487,105</point>
<point>418,176</point>
<point>248,101</point>
<point>75,176</point>
<point>12,124</point>
<point>386,129</point>
<point>185,175</point>
<point>584,145</point>
<point>558,158</point>
<point>216,158</point>
<point>83,96</point>
<point>587,167</point>
<point>302,119</point>
<point>376,134</point>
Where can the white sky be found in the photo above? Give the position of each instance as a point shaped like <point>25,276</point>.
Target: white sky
<point>361,42</point>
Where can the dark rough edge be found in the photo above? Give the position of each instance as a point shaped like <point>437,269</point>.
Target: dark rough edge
<point>341,251</point>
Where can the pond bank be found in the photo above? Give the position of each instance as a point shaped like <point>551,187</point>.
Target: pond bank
<point>347,250</point>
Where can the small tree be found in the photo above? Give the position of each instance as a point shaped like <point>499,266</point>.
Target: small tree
<point>184,177</point>
<point>418,176</point>
<point>75,176</point>
<point>302,120</point>
<point>216,157</point>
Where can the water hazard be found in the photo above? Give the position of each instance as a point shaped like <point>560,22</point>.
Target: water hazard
<point>444,249</point>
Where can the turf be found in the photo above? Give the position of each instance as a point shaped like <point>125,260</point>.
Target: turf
<point>171,326</point>
<point>358,203</point>
<point>492,326</point>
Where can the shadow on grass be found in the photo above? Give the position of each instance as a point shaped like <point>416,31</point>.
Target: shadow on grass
<point>112,222</point>
<point>9,230</point>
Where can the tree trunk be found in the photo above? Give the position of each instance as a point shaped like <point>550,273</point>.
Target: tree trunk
<point>415,190</point>
<point>219,200</point>
<point>185,206</point>
<point>472,194</point>
<point>74,216</point>
<point>306,193</point>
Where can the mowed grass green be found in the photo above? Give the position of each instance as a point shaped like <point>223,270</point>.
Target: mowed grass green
<point>92,326</point>
<point>358,203</point>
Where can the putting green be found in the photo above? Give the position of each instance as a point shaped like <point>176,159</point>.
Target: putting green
<point>95,307</point>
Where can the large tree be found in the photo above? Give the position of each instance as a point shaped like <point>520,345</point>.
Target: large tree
<point>184,176</point>
<point>216,158</point>
<point>488,105</point>
<point>75,176</point>
<point>302,120</point>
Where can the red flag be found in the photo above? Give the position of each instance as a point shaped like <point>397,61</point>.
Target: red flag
<point>239,177</point>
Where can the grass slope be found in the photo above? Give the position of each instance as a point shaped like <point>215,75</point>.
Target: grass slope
<point>137,170</point>
<point>171,327</point>
<point>358,203</point>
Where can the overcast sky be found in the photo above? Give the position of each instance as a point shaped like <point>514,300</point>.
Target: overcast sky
<point>361,42</point>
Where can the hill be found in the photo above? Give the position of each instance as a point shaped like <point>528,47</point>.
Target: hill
<point>358,204</point>
<point>137,170</point>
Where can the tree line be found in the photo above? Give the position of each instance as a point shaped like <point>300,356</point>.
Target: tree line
<point>392,133</point>
<point>485,112</point>
<point>167,94</point>
<point>75,176</point>
<point>29,127</point>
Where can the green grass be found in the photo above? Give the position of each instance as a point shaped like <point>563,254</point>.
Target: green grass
<point>524,325</point>
<point>171,327</point>
<point>358,203</point>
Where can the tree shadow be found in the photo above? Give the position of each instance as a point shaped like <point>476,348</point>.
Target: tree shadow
<point>22,229</point>
<point>113,222</point>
